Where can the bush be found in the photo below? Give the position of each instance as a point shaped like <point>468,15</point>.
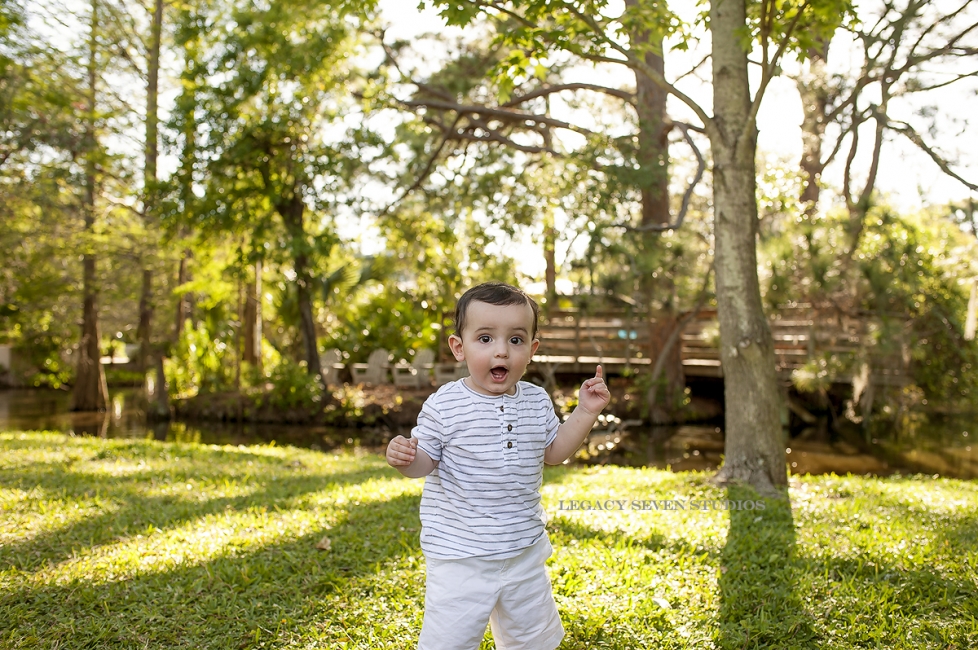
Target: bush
<point>198,363</point>
<point>290,386</point>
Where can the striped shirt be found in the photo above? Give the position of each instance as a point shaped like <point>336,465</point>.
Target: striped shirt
<point>483,499</point>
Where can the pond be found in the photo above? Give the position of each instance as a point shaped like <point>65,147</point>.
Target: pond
<point>25,410</point>
<point>942,447</point>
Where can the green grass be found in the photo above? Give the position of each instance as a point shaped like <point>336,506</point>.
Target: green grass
<point>138,544</point>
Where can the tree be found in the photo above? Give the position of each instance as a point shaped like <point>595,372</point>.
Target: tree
<point>90,391</point>
<point>896,48</point>
<point>754,452</point>
<point>273,86</point>
<point>629,169</point>
<point>53,114</point>
<point>151,189</point>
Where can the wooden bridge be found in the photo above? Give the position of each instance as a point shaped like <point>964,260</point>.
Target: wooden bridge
<point>573,342</point>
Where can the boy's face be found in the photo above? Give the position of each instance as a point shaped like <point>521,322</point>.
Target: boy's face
<point>495,345</point>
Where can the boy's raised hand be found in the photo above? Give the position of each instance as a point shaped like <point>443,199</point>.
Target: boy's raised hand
<point>401,451</point>
<point>594,394</point>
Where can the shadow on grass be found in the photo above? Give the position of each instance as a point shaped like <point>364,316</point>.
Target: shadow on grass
<point>759,605</point>
<point>138,512</point>
<point>246,600</point>
<point>566,528</point>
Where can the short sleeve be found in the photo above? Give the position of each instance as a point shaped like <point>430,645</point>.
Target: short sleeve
<point>552,423</point>
<point>429,430</point>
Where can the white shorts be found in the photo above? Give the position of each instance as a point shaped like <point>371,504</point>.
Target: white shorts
<point>513,595</point>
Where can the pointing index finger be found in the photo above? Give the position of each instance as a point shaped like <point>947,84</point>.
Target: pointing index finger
<point>598,372</point>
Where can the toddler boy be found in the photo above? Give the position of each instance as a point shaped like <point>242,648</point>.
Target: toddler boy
<point>482,442</point>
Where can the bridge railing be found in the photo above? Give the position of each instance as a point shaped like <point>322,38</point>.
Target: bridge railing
<point>574,341</point>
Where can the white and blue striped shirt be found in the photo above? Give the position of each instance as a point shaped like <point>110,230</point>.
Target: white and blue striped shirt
<point>483,499</point>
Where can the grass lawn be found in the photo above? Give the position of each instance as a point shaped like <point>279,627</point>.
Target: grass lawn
<point>138,544</point>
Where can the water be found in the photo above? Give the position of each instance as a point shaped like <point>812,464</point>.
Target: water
<point>29,410</point>
<point>942,447</point>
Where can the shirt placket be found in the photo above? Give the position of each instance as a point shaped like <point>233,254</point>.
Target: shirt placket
<point>508,419</point>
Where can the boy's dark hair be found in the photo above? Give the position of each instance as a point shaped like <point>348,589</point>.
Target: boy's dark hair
<point>494,293</point>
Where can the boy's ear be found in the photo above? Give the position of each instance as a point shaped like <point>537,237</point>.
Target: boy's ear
<point>455,343</point>
<point>533,347</point>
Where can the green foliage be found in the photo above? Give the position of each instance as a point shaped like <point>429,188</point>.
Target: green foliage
<point>347,405</point>
<point>818,374</point>
<point>911,270</point>
<point>386,318</point>
<point>119,377</point>
<point>198,363</point>
<point>291,387</point>
<point>911,267</point>
<point>811,24</point>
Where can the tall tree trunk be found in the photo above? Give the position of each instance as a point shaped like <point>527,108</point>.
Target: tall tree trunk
<point>549,246</point>
<point>658,293</point>
<point>252,321</point>
<point>185,300</point>
<point>813,88</point>
<point>90,391</point>
<point>186,109</point>
<point>292,211</point>
<point>815,94</point>
<point>754,451</point>
<point>144,331</point>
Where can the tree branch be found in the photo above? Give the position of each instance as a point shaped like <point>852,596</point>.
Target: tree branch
<point>847,172</point>
<point>687,195</point>
<point>549,90</point>
<point>640,65</point>
<point>426,172</point>
<point>913,136</point>
<point>767,74</point>
<point>498,113</point>
<point>495,136</point>
<point>956,79</point>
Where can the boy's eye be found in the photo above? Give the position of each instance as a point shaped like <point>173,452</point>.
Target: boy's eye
<point>485,338</point>
<point>516,340</point>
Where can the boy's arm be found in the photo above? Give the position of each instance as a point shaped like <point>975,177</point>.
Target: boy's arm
<point>592,398</point>
<point>404,456</point>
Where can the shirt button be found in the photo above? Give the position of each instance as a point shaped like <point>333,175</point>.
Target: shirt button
<point>509,444</point>
<point>501,408</point>
<point>509,427</point>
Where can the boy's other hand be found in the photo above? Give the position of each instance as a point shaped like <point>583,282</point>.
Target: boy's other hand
<point>594,394</point>
<point>401,451</point>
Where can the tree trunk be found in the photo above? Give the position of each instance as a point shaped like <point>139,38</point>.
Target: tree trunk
<point>658,294</point>
<point>814,91</point>
<point>159,406</point>
<point>813,88</point>
<point>252,321</point>
<point>144,331</point>
<point>754,451</point>
<point>292,211</point>
<point>184,302</point>
<point>549,244</point>
<point>90,391</point>
<point>186,107</point>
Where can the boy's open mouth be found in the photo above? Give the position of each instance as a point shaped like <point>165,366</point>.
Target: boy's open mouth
<point>499,373</point>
